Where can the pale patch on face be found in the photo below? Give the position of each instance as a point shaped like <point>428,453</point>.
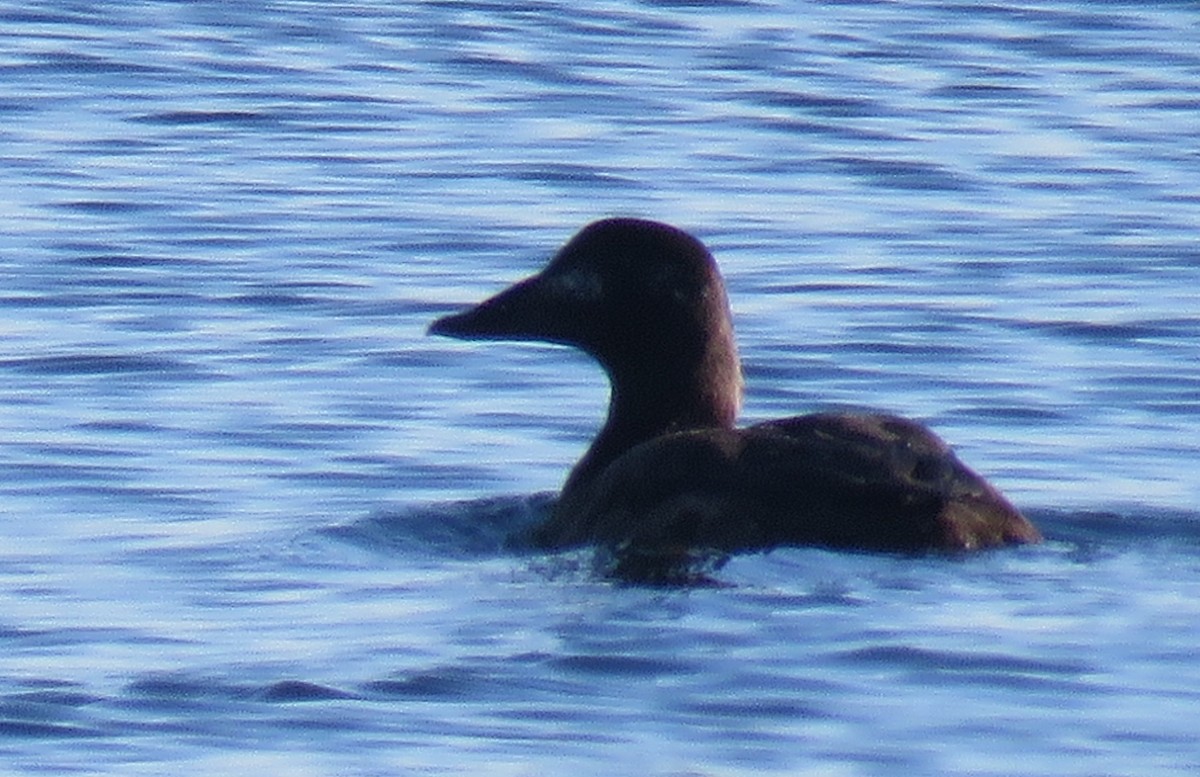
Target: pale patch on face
<point>577,284</point>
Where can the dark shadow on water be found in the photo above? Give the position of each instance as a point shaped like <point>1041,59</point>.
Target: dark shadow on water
<point>462,529</point>
<point>480,528</point>
<point>1118,530</point>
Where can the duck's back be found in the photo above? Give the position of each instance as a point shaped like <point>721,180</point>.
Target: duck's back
<point>864,481</point>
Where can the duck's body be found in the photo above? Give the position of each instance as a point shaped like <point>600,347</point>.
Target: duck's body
<point>669,472</point>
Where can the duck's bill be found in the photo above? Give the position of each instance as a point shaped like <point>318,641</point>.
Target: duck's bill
<point>520,312</point>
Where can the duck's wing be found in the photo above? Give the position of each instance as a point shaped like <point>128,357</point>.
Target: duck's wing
<point>862,481</point>
<point>935,500</point>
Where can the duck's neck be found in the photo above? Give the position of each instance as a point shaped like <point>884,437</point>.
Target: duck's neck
<point>661,398</point>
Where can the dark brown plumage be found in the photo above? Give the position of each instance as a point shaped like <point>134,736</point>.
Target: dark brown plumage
<point>668,473</point>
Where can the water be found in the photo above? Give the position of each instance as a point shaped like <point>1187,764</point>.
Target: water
<point>254,519</point>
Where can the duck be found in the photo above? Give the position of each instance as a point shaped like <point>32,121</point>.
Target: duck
<point>669,472</point>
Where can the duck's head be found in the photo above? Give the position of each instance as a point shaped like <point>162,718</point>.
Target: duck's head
<point>639,296</point>
<point>646,301</point>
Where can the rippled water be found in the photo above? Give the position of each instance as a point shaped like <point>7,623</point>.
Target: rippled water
<point>254,518</point>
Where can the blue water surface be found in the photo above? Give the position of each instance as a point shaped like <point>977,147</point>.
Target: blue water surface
<point>254,519</point>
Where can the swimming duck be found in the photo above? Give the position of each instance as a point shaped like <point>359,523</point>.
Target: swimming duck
<point>669,472</point>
